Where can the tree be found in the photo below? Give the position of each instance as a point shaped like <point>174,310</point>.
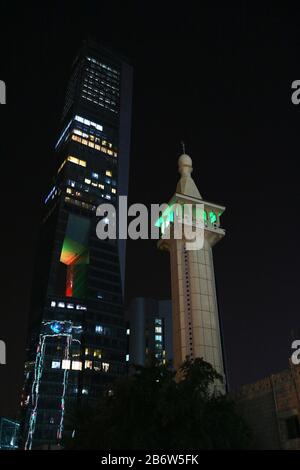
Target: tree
<point>153,409</point>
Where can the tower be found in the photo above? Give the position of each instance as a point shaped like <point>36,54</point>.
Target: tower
<point>77,341</point>
<point>196,326</point>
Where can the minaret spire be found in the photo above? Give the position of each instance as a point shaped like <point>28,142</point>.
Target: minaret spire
<point>186,185</point>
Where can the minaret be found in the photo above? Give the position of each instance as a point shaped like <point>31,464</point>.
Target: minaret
<point>196,328</point>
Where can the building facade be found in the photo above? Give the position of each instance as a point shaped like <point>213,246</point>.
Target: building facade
<point>9,434</point>
<point>77,338</point>
<point>149,331</point>
<point>196,326</point>
<point>271,408</point>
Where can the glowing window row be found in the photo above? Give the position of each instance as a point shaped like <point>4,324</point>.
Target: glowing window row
<point>91,144</point>
<point>98,102</point>
<point>98,185</point>
<point>104,66</point>
<point>92,138</point>
<point>95,93</point>
<point>82,204</point>
<point>67,364</point>
<point>93,352</point>
<point>67,305</point>
<point>76,160</point>
<point>87,122</point>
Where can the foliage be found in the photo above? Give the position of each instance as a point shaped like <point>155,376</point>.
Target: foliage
<point>157,409</point>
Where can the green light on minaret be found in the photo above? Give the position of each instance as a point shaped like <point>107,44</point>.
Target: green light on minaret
<point>212,217</point>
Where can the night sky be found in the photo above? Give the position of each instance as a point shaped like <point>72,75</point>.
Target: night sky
<point>220,79</point>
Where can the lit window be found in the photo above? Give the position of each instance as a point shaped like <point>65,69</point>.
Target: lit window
<point>95,175</point>
<point>88,364</point>
<point>105,366</point>
<point>85,391</point>
<point>87,181</point>
<point>108,196</point>
<point>87,351</point>
<point>127,357</point>
<point>128,331</point>
<point>80,307</point>
<point>77,161</point>
<point>55,365</point>
<point>98,353</point>
<point>70,306</point>
<point>101,186</point>
<point>69,190</point>
<point>61,304</point>
<point>113,190</point>
<point>53,303</point>
<point>158,338</point>
<point>158,329</point>
<point>66,364</point>
<point>108,173</point>
<point>76,365</point>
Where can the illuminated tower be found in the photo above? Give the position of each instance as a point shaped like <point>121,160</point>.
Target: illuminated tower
<point>196,327</point>
<point>77,335</point>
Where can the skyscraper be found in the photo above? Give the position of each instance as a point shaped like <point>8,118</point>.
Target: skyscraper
<point>78,338</point>
<point>196,326</point>
<point>149,331</point>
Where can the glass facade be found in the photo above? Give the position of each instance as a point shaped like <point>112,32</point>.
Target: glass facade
<point>78,337</point>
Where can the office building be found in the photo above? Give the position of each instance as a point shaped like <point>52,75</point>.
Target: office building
<point>149,331</point>
<point>78,338</point>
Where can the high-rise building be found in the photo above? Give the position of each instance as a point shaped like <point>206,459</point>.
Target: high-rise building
<point>78,337</point>
<point>196,326</point>
<point>149,331</point>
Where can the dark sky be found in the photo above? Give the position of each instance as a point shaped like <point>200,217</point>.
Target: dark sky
<point>218,78</point>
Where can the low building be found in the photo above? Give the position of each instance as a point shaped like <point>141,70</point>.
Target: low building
<point>271,408</point>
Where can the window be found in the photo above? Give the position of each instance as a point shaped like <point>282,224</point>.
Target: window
<point>55,365</point>
<point>77,161</point>
<point>113,190</point>
<point>108,173</point>
<point>98,353</point>
<point>158,338</point>
<point>127,357</point>
<point>53,303</point>
<point>88,365</point>
<point>158,329</point>
<point>99,329</point>
<point>76,365</point>
<point>61,304</point>
<point>128,331</point>
<point>87,181</point>
<point>66,364</point>
<point>105,366</point>
<point>95,175</point>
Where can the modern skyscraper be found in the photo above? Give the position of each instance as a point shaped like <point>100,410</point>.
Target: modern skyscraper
<point>196,327</point>
<point>149,331</point>
<point>78,337</point>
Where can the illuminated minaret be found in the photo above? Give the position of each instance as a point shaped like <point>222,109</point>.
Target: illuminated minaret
<point>196,327</point>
